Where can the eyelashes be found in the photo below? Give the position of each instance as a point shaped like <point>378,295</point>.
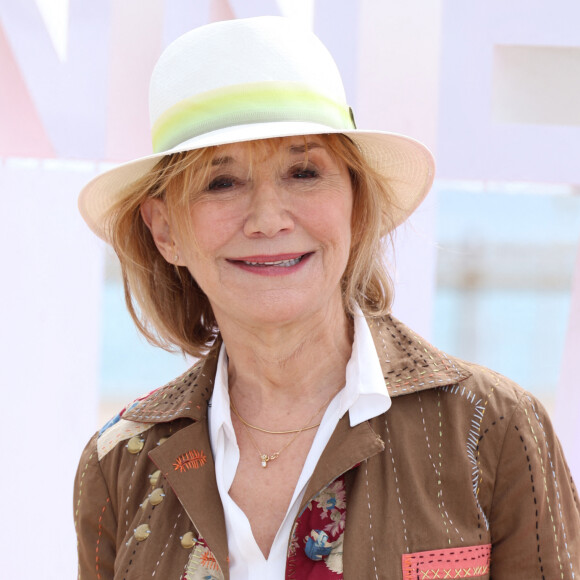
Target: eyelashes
<point>221,183</point>
<point>304,172</point>
<point>298,172</point>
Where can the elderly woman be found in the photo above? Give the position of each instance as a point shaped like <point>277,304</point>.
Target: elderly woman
<point>316,437</point>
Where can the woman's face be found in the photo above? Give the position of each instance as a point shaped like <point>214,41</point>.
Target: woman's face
<point>272,231</point>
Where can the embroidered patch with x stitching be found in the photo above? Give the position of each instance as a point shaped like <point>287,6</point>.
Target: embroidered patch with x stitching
<point>468,562</point>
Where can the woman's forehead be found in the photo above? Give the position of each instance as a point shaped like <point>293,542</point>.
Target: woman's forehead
<point>265,148</point>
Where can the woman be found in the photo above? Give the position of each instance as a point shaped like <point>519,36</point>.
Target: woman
<point>317,437</point>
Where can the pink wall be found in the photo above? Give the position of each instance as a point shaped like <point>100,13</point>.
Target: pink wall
<point>22,132</point>
<point>470,144</point>
<point>64,94</point>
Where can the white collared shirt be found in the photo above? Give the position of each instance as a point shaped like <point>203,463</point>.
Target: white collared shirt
<point>364,396</point>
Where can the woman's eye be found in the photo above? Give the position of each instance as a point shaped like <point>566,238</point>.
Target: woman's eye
<point>220,183</point>
<point>304,173</point>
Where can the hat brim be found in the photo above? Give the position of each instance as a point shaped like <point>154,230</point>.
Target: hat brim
<point>407,166</point>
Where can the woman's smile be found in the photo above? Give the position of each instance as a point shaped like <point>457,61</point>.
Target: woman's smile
<point>274,265</point>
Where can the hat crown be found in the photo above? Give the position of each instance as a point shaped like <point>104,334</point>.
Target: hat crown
<point>256,78</point>
<point>235,53</point>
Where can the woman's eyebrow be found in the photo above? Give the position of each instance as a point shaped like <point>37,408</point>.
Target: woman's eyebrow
<point>222,160</point>
<point>303,147</point>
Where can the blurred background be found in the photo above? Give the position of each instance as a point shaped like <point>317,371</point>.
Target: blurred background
<point>488,269</point>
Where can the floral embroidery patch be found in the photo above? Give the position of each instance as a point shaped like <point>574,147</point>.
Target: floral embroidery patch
<point>202,564</point>
<point>316,543</point>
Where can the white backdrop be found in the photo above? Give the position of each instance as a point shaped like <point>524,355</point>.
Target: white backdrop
<point>49,340</point>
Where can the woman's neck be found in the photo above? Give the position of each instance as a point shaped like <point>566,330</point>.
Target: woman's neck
<point>287,367</point>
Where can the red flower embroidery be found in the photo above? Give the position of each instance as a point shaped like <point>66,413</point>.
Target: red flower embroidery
<point>193,459</point>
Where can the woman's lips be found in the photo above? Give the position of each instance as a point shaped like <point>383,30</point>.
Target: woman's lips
<point>277,264</point>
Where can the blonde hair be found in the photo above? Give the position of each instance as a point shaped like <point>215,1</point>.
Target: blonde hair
<point>166,303</point>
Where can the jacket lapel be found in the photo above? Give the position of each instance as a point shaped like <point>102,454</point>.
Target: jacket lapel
<point>409,364</point>
<point>190,472</point>
<point>347,447</point>
<point>186,458</point>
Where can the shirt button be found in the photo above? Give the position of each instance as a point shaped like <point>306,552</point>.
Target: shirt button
<point>142,532</point>
<point>188,541</point>
<point>156,496</point>
<point>135,445</point>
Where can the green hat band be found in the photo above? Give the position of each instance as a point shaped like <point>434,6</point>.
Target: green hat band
<point>247,104</point>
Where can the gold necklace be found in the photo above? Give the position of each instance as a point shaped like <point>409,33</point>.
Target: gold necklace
<point>264,457</point>
<point>233,407</point>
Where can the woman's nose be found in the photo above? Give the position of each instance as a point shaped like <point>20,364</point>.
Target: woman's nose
<point>268,211</point>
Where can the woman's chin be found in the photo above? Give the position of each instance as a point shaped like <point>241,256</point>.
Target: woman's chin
<point>276,312</point>
<point>276,309</point>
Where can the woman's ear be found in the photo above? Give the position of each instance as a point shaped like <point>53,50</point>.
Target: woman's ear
<point>156,217</point>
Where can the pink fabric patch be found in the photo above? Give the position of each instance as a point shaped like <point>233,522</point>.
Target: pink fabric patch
<point>469,562</point>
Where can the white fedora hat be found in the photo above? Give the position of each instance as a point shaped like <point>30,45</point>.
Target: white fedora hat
<point>255,78</point>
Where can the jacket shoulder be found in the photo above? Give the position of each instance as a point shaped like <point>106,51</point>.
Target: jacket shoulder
<point>184,397</point>
<point>483,381</point>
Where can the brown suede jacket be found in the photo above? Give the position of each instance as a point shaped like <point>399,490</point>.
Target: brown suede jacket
<point>462,477</point>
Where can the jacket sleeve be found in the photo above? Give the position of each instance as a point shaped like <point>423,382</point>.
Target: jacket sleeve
<point>95,520</point>
<point>535,516</point>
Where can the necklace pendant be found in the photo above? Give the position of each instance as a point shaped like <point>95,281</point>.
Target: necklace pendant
<point>265,460</point>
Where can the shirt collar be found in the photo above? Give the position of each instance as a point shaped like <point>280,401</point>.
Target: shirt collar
<point>409,363</point>
<point>364,395</point>
<point>219,404</point>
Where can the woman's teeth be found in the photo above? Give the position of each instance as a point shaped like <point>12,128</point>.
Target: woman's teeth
<point>283,263</point>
